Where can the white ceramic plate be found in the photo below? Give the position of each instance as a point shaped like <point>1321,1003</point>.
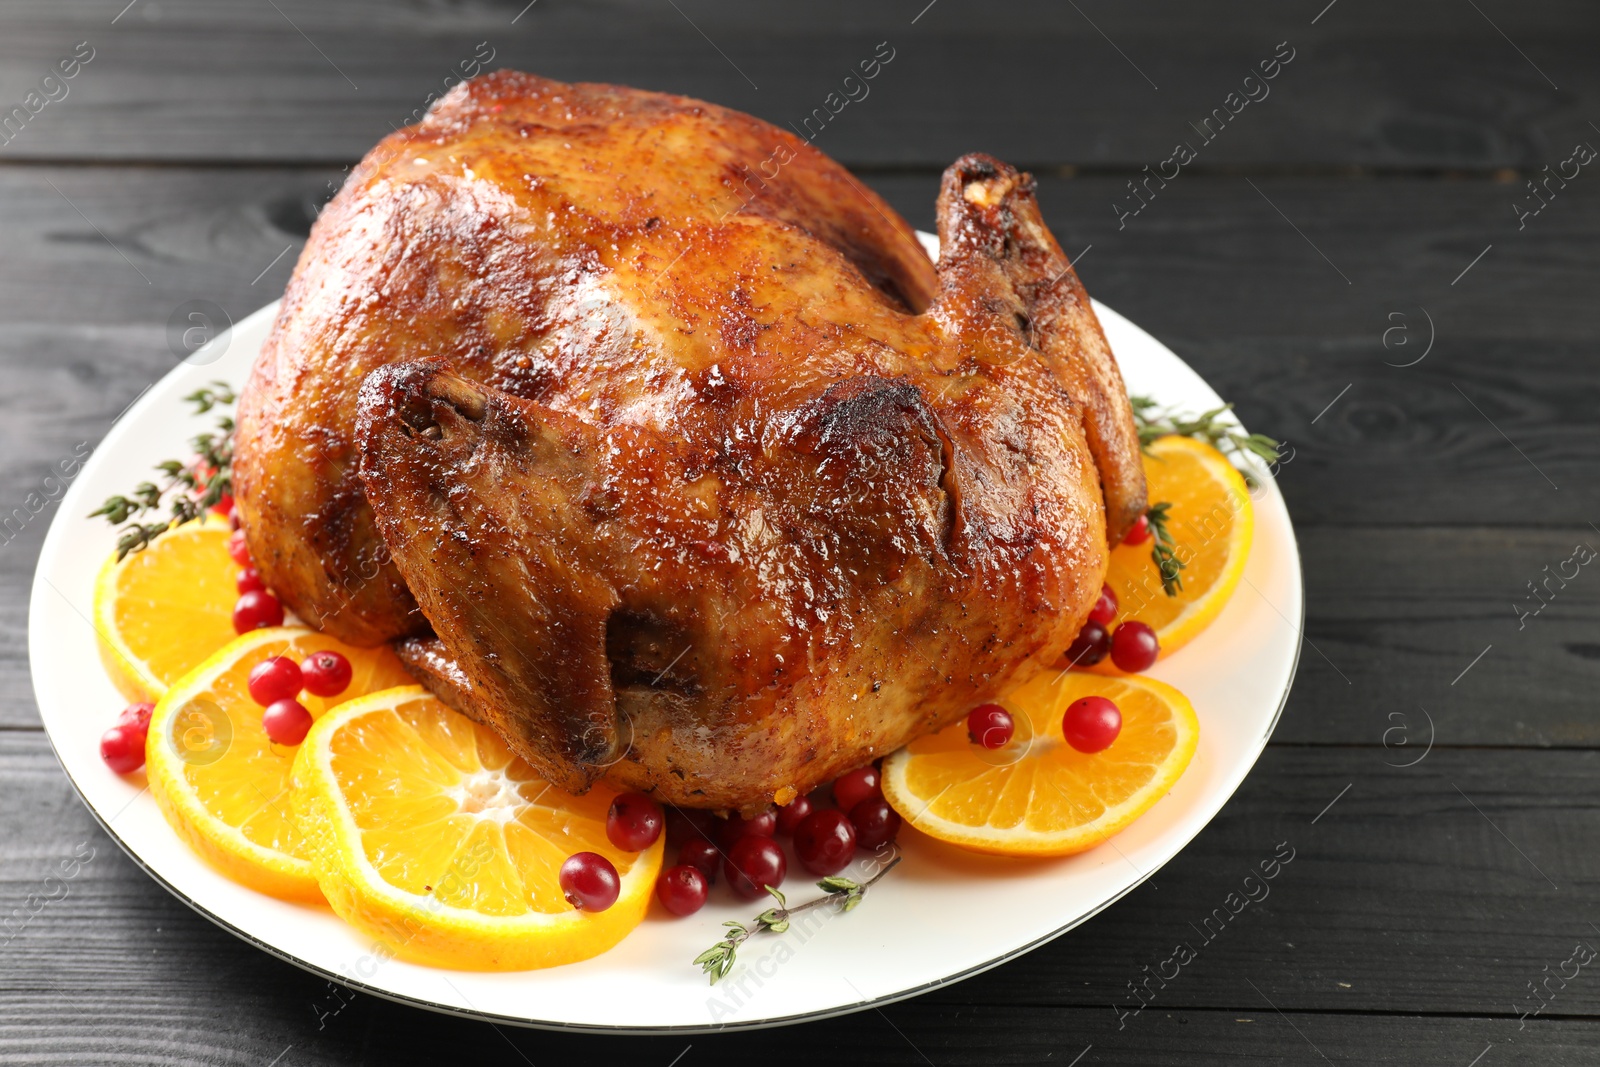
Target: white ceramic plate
<point>916,930</point>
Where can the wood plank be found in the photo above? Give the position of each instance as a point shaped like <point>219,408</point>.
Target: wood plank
<point>1480,431</point>
<point>70,386</point>
<point>83,333</point>
<point>1294,260</point>
<point>1209,257</point>
<point>248,1029</point>
<point>918,1033</point>
<point>1427,85</point>
<point>1406,859</point>
<point>1486,430</point>
<point>1408,623</point>
<point>1422,902</point>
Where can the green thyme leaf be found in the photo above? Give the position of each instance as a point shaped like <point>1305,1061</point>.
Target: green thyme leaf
<point>116,509</point>
<point>206,398</point>
<point>1210,426</point>
<point>718,960</point>
<point>1164,550</point>
<point>191,492</point>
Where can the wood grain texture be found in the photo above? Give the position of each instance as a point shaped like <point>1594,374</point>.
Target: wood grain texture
<point>1398,611</point>
<point>1484,429</point>
<point>1323,227</point>
<point>1401,900</point>
<point>1398,617</point>
<point>1208,260</point>
<point>249,1030</point>
<point>246,1032</point>
<point>1426,85</point>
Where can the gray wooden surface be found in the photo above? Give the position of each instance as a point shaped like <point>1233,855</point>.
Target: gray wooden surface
<point>1370,194</point>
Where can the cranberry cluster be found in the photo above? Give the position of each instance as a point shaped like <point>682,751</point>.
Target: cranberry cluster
<point>744,849</point>
<point>276,682</point>
<point>256,606</point>
<point>1133,646</point>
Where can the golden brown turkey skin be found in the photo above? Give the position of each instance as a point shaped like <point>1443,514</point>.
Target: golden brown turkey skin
<point>479,235</point>
<point>704,478</point>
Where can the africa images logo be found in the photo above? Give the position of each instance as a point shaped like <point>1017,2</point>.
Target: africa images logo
<point>51,88</point>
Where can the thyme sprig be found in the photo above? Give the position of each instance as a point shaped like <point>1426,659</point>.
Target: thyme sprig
<point>1225,436</point>
<point>201,483</point>
<point>718,960</point>
<point>1164,550</point>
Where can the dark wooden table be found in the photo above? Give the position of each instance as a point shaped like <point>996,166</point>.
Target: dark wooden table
<point>1353,259</point>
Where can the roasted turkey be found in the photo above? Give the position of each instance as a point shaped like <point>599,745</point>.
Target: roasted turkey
<point>656,442</point>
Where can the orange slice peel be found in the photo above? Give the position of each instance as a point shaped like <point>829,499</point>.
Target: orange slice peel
<point>221,782</point>
<point>428,834</point>
<point>161,611</point>
<point>1213,524</point>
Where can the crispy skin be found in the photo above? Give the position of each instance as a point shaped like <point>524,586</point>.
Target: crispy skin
<point>705,480</point>
<point>483,235</point>
<point>986,204</point>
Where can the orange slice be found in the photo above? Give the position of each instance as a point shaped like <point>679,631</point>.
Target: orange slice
<point>162,610</point>
<point>1039,796</point>
<point>1212,522</point>
<point>219,780</point>
<point>429,835</point>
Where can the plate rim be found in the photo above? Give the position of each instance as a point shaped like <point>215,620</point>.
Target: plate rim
<point>152,396</point>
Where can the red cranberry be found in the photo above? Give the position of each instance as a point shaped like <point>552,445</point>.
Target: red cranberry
<point>136,715</point>
<point>122,747</point>
<point>327,673</point>
<point>238,549</point>
<point>286,722</point>
<point>860,784</point>
<point>794,813</point>
<point>875,821</point>
<point>1091,724</point>
<point>256,610</point>
<point>249,581</point>
<point>223,507</point>
<point>736,828</point>
<point>1105,609</point>
<point>589,881</point>
<point>1091,646</point>
<point>1134,647</point>
<point>684,824</point>
<point>274,679</point>
<point>682,889</point>
<point>701,854</point>
<point>990,725</point>
<point>634,822</point>
<point>1139,534</point>
<point>825,842</point>
<point>753,864</point>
